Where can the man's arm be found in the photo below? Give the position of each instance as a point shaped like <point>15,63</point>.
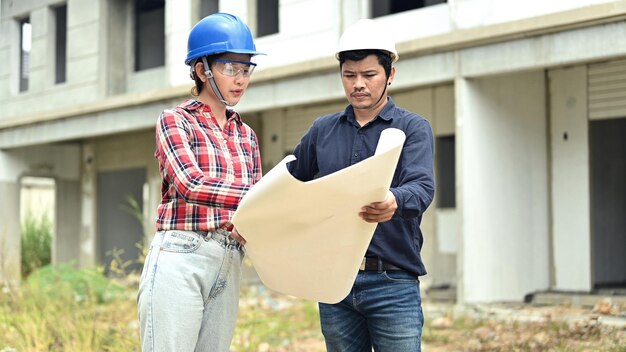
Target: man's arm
<point>304,168</point>
<point>416,188</point>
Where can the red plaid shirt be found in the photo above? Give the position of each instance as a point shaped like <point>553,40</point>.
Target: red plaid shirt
<point>205,170</point>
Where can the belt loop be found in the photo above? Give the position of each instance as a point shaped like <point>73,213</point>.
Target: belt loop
<point>380,264</point>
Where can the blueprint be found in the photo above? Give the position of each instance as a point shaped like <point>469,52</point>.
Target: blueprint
<point>306,239</point>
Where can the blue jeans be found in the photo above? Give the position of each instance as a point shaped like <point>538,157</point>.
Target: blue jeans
<point>383,310</point>
<point>189,292</point>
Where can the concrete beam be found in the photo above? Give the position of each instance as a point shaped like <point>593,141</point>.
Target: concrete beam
<point>318,82</point>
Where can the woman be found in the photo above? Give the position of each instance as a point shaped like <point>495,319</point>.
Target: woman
<point>208,159</point>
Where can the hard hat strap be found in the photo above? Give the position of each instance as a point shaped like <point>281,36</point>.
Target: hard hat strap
<point>216,90</point>
<point>382,94</point>
<point>192,70</point>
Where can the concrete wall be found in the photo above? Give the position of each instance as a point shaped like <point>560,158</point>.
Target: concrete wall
<point>82,57</point>
<point>570,179</point>
<point>179,19</point>
<point>475,13</point>
<point>272,151</point>
<point>503,176</point>
<point>37,197</point>
<point>92,73</point>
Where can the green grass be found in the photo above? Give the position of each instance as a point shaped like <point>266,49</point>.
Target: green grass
<point>66,309</point>
<point>61,308</point>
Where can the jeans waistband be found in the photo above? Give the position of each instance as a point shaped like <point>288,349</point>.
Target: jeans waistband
<point>377,264</point>
<point>222,236</point>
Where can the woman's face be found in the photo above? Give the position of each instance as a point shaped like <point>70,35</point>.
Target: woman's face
<point>232,76</point>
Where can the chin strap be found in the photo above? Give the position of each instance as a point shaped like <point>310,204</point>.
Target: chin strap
<point>381,94</point>
<point>216,90</point>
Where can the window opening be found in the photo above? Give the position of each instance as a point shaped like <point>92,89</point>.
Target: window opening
<point>60,55</point>
<point>208,7</point>
<point>149,34</point>
<point>446,172</point>
<point>25,46</point>
<point>267,17</point>
<point>387,7</point>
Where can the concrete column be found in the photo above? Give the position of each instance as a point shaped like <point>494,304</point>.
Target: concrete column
<point>152,202</point>
<point>462,106</point>
<point>503,193</point>
<point>570,179</point>
<point>9,70</point>
<point>10,230</point>
<point>67,221</point>
<point>87,251</point>
<point>84,35</point>
<point>114,53</point>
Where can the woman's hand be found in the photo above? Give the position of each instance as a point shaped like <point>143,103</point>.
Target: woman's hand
<point>237,237</point>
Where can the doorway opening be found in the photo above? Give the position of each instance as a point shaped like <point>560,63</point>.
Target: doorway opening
<point>120,219</point>
<point>607,140</point>
<point>37,220</point>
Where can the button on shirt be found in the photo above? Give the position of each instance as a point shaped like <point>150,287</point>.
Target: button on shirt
<point>337,141</point>
<point>205,170</point>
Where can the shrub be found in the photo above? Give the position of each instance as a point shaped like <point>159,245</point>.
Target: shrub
<point>83,284</point>
<point>36,243</point>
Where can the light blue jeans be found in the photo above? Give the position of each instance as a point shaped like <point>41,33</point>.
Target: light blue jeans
<point>383,310</point>
<point>189,292</point>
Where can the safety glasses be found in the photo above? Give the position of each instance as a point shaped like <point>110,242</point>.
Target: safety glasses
<point>232,68</point>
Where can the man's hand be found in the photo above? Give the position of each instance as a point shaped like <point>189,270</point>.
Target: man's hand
<point>237,237</point>
<point>380,211</point>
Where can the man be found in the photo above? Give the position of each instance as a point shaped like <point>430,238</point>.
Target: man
<point>383,309</point>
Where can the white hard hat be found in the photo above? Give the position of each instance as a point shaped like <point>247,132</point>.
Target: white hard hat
<point>367,34</point>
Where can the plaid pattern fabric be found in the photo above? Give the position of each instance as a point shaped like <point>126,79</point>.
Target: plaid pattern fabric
<point>205,170</point>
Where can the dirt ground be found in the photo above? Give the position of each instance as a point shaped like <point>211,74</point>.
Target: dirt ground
<point>508,327</point>
<point>523,327</point>
<point>448,327</point>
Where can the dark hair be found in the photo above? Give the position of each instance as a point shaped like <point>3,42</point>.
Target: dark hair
<point>384,59</point>
<point>195,91</point>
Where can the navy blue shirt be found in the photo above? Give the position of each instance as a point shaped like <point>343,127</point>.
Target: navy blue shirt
<point>336,141</point>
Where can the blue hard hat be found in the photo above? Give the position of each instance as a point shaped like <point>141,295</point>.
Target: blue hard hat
<point>219,33</point>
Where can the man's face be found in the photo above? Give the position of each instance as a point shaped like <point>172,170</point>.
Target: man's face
<point>364,81</point>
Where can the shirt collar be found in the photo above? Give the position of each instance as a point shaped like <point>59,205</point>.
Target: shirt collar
<point>192,105</point>
<point>386,113</point>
